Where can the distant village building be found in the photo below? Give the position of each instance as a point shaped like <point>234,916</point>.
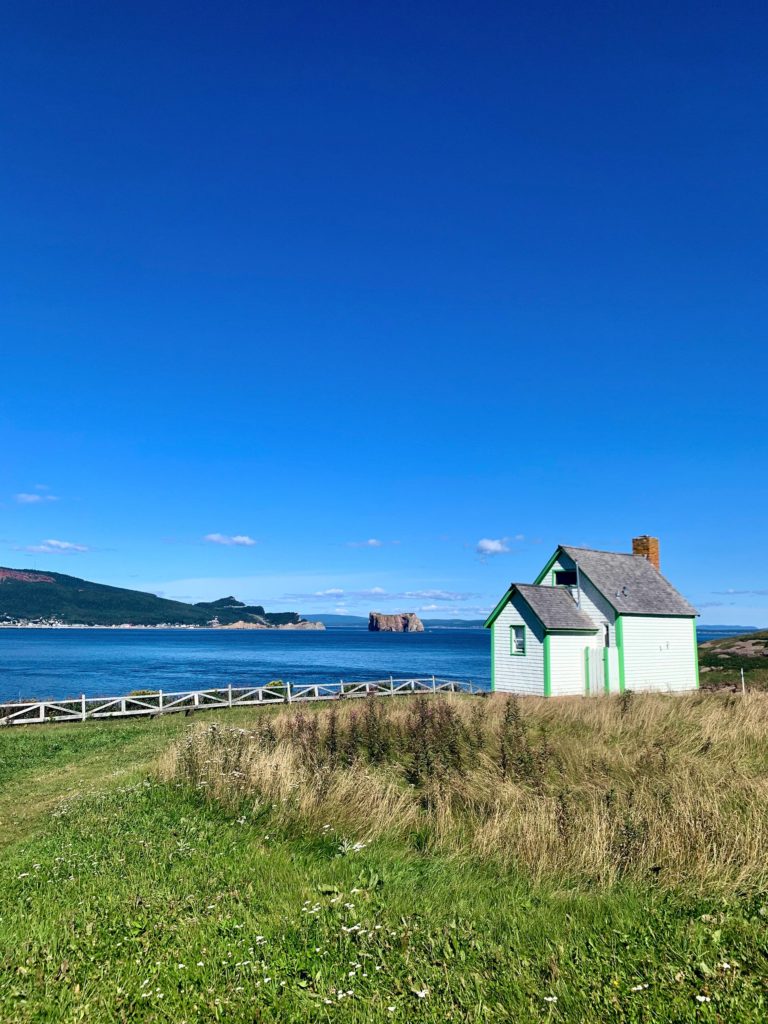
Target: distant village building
<point>594,622</point>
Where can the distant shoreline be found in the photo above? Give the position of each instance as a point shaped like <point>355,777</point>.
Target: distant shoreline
<point>124,626</point>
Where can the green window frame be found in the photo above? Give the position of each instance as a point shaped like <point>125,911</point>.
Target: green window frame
<point>518,641</point>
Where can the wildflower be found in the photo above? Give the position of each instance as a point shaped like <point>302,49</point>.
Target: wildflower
<point>420,993</point>
<point>550,999</point>
<point>391,1009</point>
<point>639,988</point>
<point>724,966</point>
<point>24,874</point>
<point>200,963</point>
<point>703,999</point>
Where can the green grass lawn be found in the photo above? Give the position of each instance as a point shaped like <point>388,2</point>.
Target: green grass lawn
<point>126,899</point>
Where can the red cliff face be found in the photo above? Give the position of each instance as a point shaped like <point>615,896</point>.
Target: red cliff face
<point>407,622</point>
<point>25,577</point>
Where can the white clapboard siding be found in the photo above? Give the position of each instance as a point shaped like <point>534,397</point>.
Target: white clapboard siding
<point>567,663</point>
<point>659,653</point>
<point>514,673</point>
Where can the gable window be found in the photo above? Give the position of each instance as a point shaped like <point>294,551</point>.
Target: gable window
<point>517,639</point>
<point>565,578</point>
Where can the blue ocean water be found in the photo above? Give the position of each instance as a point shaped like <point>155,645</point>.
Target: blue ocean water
<point>60,663</point>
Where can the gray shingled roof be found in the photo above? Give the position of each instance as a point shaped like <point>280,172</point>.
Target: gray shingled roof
<point>630,583</point>
<point>554,607</point>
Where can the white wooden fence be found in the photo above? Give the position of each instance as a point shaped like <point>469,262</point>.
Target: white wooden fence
<point>82,708</point>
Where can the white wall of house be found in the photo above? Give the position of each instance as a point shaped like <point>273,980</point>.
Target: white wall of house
<point>567,662</point>
<point>659,653</point>
<point>592,601</point>
<point>518,673</point>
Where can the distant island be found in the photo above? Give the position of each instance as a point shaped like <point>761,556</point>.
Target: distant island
<point>336,621</point>
<point>51,599</point>
<point>405,622</point>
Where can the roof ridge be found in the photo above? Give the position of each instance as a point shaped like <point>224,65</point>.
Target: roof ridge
<point>601,551</point>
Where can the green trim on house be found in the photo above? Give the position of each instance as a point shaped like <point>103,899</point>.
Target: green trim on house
<point>497,610</point>
<point>572,632</point>
<point>656,615</point>
<point>620,645</point>
<point>493,659</point>
<point>606,670</point>
<point>512,651</point>
<point>547,667</point>
<point>547,567</point>
<point>696,652</point>
<point>552,561</point>
<point>586,671</point>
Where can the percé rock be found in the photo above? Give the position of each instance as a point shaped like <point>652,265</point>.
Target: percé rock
<point>406,622</point>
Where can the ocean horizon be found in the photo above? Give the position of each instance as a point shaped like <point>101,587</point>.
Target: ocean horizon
<point>51,663</point>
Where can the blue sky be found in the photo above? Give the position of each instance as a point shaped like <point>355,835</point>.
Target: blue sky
<point>367,285</point>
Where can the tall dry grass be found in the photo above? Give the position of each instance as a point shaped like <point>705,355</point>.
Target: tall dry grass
<point>634,786</point>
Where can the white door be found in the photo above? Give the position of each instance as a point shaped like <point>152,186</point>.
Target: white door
<point>601,669</point>
<point>594,682</point>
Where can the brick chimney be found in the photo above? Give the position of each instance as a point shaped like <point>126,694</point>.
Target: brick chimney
<point>647,547</point>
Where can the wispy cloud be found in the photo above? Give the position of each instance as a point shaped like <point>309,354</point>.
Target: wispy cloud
<point>238,540</point>
<point>56,547</point>
<point>339,594</point>
<point>371,543</point>
<point>24,498</point>
<point>487,547</point>
<point>741,593</point>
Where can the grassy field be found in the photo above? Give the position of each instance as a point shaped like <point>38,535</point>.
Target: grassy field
<point>417,860</point>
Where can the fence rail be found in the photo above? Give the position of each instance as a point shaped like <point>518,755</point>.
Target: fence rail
<point>82,708</point>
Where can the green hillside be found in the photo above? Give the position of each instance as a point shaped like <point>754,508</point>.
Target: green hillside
<point>27,596</point>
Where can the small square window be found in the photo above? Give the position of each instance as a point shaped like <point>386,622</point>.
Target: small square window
<point>565,578</point>
<point>517,639</point>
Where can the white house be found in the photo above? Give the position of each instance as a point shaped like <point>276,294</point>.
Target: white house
<point>594,622</point>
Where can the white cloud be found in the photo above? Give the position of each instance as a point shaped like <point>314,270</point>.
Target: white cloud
<point>429,608</point>
<point>33,499</point>
<point>372,543</point>
<point>487,546</point>
<point>739,593</point>
<point>330,592</point>
<point>239,540</point>
<point>438,595</point>
<point>56,547</point>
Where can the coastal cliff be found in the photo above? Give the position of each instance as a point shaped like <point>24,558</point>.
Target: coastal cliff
<point>406,622</point>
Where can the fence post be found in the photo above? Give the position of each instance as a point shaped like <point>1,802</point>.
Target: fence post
<point>82,707</point>
<point>433,684</point>
<point>229,692</point>
<point>288,692</point>
<point>160,702</point>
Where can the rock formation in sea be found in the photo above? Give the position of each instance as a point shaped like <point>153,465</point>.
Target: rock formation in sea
<point>405,622</point>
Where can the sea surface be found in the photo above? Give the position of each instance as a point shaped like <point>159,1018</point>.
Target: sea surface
<point>37,664</point>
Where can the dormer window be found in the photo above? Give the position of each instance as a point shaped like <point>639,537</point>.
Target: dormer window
<point>565,578</point>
